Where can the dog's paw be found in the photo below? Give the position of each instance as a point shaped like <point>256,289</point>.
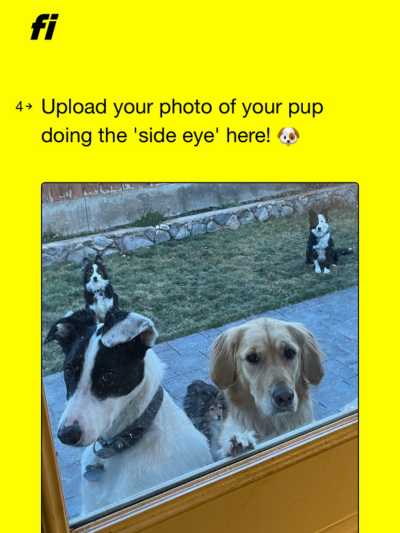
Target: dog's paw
<point>327,271</point>
<point>239,443</point>
<point>317,267</point>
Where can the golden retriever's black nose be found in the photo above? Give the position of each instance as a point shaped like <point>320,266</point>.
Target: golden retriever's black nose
<point>70,434</point>
<point>282,396</point>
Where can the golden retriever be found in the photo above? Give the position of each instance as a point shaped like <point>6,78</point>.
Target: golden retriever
<point>264,367</point>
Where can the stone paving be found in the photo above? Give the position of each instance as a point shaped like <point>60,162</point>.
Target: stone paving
<point>332,318</point>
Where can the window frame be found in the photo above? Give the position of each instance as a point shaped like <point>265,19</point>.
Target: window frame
<point>333,447</point>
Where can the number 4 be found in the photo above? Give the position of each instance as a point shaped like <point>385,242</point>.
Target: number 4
<point>19,106</point>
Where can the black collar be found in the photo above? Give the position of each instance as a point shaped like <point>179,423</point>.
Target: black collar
<point>320,237</point>
<point>132,434</point>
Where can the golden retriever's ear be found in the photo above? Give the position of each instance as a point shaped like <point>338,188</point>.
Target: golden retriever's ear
<point>297,133</point>
<point>223,358</point>
<point>312,356</point>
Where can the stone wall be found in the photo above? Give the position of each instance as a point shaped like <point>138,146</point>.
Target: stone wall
<point>130,239</point>
<point>93,213</point>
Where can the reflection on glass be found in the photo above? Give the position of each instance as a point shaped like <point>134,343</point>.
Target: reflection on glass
<point>142,410</point>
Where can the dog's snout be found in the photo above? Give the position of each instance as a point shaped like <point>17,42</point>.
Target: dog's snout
<point>70,434</point>
<point>282,396</point>
<point>95,278</point>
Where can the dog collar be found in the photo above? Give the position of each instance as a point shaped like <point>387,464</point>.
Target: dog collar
<point>132,434</point>
<point>323,237</point>
<point>124,440</point>
<point>99,291</point>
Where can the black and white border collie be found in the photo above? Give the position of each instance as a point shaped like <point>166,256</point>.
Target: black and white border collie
<point>321,250</point>
<point>98,292</point>
<point>135,436</point>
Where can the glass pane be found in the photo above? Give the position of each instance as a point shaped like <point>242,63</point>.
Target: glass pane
<point>187,324</point>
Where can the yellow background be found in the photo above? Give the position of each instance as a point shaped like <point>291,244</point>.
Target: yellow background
<point>341,53</point>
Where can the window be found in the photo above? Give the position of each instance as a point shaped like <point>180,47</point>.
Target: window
<point>184,348</point>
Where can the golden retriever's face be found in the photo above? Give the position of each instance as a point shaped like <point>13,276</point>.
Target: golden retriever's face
<point>273,359</point>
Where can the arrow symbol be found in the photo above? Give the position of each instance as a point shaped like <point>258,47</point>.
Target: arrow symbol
<point>28,106</point>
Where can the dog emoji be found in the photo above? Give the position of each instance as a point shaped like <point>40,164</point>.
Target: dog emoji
<point>288,135</point>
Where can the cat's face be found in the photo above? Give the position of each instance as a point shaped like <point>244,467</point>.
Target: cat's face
<point>215,411</point>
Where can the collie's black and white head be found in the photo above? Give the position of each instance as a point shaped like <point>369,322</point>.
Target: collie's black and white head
<point>95,277</point>
<point>104,369</point>
<point>319,225</point>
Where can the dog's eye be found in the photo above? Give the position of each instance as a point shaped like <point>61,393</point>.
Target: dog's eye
<point>252,358</point>
<point>107,377</point>
<point>289,352</point>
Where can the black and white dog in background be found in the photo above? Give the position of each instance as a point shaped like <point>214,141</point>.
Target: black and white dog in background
<point>321,251</point>
<point>135,436</point>
<point>98,291</point>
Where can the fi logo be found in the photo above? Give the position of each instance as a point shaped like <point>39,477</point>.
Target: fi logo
<point>45,20</point>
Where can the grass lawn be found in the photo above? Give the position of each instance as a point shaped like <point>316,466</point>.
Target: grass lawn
<point>195,284</point>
